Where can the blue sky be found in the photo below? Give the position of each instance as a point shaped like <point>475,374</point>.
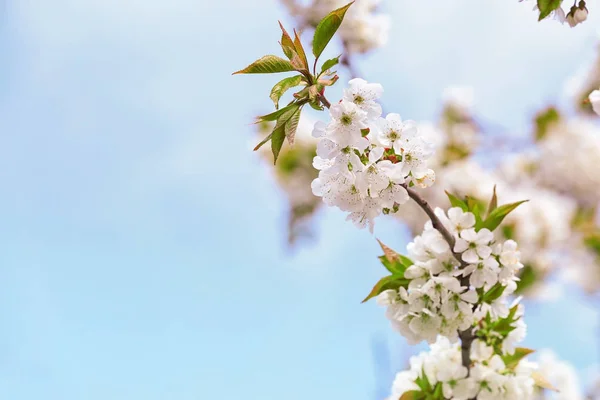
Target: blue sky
<point>144,253</point>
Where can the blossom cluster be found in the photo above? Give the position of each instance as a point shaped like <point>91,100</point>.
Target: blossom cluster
<point>490,377</point>
<point>366,161</point>
<point>362,30</point>
<point>445,296</point>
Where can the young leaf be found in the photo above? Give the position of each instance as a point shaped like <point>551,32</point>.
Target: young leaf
<point>332,62</point>
<point>282,86</point>
<point>267,65</point>
<point>389,254</point>
<point>327,28</point>
<point>456,202</point>
<point>385,283</point>
<point>493,203</point>
<point>542,382</point>
<point>287,44</point>
<point>493,294</point>
<point>547,6</point>
<point>291,125</point>
<point>512,360</point>
<point>300,50</point>
<point>497,216</point>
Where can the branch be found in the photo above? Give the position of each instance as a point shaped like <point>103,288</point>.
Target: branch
<point>466,336</point>
<point>324,100</point>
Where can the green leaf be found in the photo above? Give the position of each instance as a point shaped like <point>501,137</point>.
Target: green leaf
<point>327,28</point>
<point>544,120</point>
<point>287,44</point>
<point>497,216</point>
<point>277,139</point>
<point>456,202</point>
<point>279,132</point>
<point>283,86</point>
<point>493,294</point>
<point>493,203</point>
<point>512,360</point>
<point>292,125</point>
<point>527,277</point>
<point>265,140</point>
<point>332,62</point>
<point>267,65</point>
<point>316,105</point>
<point>276,114</point>
<point>438,393</point>
<point>547,6</point>
<point>300,50</point>
<point>386,283</point>
<point>394,262</point>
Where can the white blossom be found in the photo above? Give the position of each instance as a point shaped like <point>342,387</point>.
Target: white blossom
<point>357,173</point>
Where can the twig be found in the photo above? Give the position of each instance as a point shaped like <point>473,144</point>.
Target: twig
<point>466,336</point>
<point>324,100</point>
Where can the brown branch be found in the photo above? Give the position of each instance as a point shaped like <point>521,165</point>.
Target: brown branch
<point>324,100</point>
<point>466,336</point>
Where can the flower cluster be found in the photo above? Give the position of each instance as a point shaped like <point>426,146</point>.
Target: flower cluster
<point>445,295</point>
<point>440,371</point>
<point>365,161</point>
<point>362,30</point>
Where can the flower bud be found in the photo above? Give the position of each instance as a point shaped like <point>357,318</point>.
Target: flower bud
<point>581,13</point>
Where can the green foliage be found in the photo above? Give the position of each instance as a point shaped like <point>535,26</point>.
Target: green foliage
<point>332,62</point>
<point>493,332</point>
<point>283,86</point>
<point>477,208</point>
<point>327,28</point>
<point>493,203</point>
<point>287,117</point>
<point>397,265</point>
<point>544,121</point>
<point>456,202</point>
<point>493,293</point>
<point>291,125</point>
<point>527,277</point>
<point>497,216</point>
<point>267,65</point>
<point>547,6</point>
<point>512,360</point>
<point>393,281</point>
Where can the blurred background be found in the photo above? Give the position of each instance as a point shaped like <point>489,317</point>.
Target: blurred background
<point>145,246</point>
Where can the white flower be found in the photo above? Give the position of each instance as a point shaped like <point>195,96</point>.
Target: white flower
<point>474,245</point>
<point>348,120</point>
<point>595,100</point>
<point>392,132</point>
<point>484,273</point>
<point>356,173</point>
<point>457,219</point>
<point>364,95</point>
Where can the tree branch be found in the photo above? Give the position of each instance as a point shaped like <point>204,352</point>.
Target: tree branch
<point>466,336</point>
<point>324,100</point>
